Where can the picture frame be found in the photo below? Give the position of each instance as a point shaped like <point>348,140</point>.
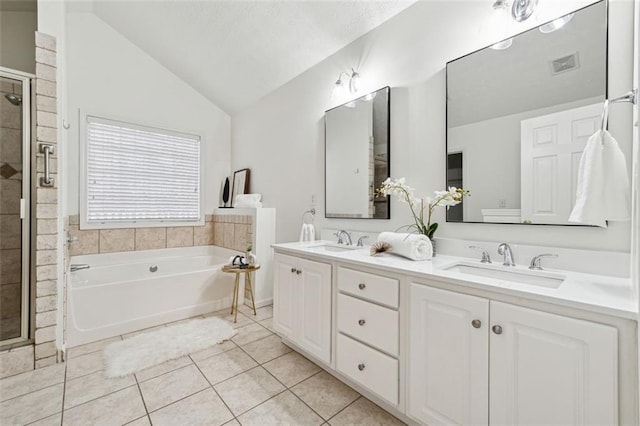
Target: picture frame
<point>240,184</point>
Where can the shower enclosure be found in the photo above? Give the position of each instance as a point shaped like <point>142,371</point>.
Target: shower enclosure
<point>15,185</point>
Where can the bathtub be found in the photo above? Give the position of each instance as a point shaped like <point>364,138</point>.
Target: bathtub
<point>125,292</point>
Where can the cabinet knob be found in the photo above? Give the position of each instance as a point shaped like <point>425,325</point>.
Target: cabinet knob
<point>298,271</point>
<point>476,323</point>
<point>360,367</point>
<point>497,329</point>
<point>293,270</point>
<point>361,322</point>
<point>361,286</point>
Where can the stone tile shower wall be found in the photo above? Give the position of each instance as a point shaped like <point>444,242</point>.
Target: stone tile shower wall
<point>10,229</point>
<point>46,206</point>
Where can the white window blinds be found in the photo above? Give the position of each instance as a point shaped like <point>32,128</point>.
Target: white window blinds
<point>140,174</point>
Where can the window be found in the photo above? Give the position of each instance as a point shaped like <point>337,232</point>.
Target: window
<point>139,176</point>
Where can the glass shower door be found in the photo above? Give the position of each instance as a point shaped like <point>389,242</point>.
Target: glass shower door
<point>14,196</point>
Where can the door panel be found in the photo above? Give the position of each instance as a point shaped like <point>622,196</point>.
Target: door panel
<point>448,362</point>
<point>314,295</point>
<point>284,295</point>
<point>549,369</point>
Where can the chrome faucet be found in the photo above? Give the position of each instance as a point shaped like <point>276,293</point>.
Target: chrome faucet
<point>485,254</point>
<point>535,262</point>
<point>505,250</point>
<point>342,233</point>
<point>360,244</point>
<point>78,266</point>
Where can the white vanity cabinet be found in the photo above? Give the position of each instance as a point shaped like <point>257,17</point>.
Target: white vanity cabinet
<point>302,303</point>
<point>476,361</point>
<point>368,331</point>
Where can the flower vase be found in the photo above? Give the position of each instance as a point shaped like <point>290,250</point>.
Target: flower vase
<point>250,257</point>
<point>433,244</point>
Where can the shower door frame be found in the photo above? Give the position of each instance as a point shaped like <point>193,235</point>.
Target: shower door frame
<point>25,202</point>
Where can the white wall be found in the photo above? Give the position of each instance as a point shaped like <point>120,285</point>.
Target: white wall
<point>110,77</point>
<point>281,136</point>
<point>18,40</point>
<point>482,144</point>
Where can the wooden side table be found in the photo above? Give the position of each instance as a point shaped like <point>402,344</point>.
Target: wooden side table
<point>236,288</point>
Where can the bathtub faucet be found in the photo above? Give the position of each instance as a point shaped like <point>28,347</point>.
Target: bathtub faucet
<point>79,266</point>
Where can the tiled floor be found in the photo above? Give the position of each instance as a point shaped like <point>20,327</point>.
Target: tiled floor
<point>252,380</point>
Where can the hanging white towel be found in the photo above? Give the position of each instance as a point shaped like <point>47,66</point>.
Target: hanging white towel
<point>603,191</point>
<point>412,246</point>
<point>307,232</point>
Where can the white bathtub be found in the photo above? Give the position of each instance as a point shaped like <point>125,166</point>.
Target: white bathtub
<point>119,294</point>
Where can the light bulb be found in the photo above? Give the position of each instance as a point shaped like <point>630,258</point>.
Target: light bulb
<point>556,24</point>
<point>501,45</point>
<point>338,89</point>
<point>354,82</point>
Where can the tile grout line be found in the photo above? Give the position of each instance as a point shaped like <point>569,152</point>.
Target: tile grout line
<point>144,403</point>
<point>214,389</point>
<point>64,393</point>
<point>287,388</point>
<point>347,406</point>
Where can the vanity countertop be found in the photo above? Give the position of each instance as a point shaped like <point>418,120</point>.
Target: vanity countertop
<point>595,293</point>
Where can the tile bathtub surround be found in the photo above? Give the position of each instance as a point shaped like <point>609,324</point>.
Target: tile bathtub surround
<point>254,380</point>
<point>94,241</point>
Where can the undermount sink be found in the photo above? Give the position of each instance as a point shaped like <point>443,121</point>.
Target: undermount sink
<point>334,247</point>
<point>538,278</point>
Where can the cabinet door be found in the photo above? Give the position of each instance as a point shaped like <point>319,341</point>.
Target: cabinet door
<point>549,369</point>
<point>284,295</point>
<point>314,304</point>
<point>448,360</point>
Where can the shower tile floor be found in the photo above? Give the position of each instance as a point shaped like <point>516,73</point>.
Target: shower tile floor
<point>251,380</point>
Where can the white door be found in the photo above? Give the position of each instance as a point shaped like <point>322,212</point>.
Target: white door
<point>284,295</point>
<point>551,147</point>
<point>314,308</point>
<point>551,370</point>
<point>448,361</point>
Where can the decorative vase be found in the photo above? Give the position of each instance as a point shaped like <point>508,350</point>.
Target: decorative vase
<point>433,244</point>
<point>250,257</point>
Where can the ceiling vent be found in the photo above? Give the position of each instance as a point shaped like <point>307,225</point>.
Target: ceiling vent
<point>564,64</point>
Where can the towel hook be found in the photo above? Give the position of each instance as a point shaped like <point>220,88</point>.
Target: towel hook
<point>311,212</point>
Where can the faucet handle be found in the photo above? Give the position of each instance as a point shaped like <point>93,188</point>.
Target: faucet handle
<point>339,235</point>
<point>536,261</point>
<point>485,254</point>
<point>360,240</point>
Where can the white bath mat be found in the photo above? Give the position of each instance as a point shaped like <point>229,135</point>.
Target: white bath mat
<point>155,347</point>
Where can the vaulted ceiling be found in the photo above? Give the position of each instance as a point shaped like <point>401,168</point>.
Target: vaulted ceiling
<point>236,52</point>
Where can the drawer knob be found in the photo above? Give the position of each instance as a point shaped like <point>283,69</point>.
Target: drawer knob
<point>293,270</point>
<point>298,271</point>
<point>361,286</point>
<point>360,367</point>
<point>476,323</point>
<point>497,329</point>
<point>361,322</point>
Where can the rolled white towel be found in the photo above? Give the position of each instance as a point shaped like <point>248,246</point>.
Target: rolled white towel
<point>412,246</point>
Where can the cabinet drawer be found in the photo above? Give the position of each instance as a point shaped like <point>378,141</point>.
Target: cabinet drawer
<point>369,323</point>
<point>379,289</point>
<point>372,369</point>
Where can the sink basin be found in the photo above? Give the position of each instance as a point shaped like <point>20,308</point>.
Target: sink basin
<point>537,278</point>
<point>334,247</point>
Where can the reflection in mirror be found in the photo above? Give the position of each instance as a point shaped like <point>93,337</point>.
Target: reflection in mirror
<point>357,157</point>
<point>518,119</point>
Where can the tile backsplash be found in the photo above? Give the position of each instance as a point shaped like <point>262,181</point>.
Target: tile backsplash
<point>230,231</point>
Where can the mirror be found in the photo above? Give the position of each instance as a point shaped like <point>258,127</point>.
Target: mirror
<point>519,114</point>
<point>357,157</point>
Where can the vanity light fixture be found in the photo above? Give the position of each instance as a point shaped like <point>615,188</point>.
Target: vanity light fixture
<point>521,10</point>
<point>340,89</point>
<point>556,24</point>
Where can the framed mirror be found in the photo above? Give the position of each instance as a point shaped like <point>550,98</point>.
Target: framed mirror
<point>357,142</point>
<point>519,114</point>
